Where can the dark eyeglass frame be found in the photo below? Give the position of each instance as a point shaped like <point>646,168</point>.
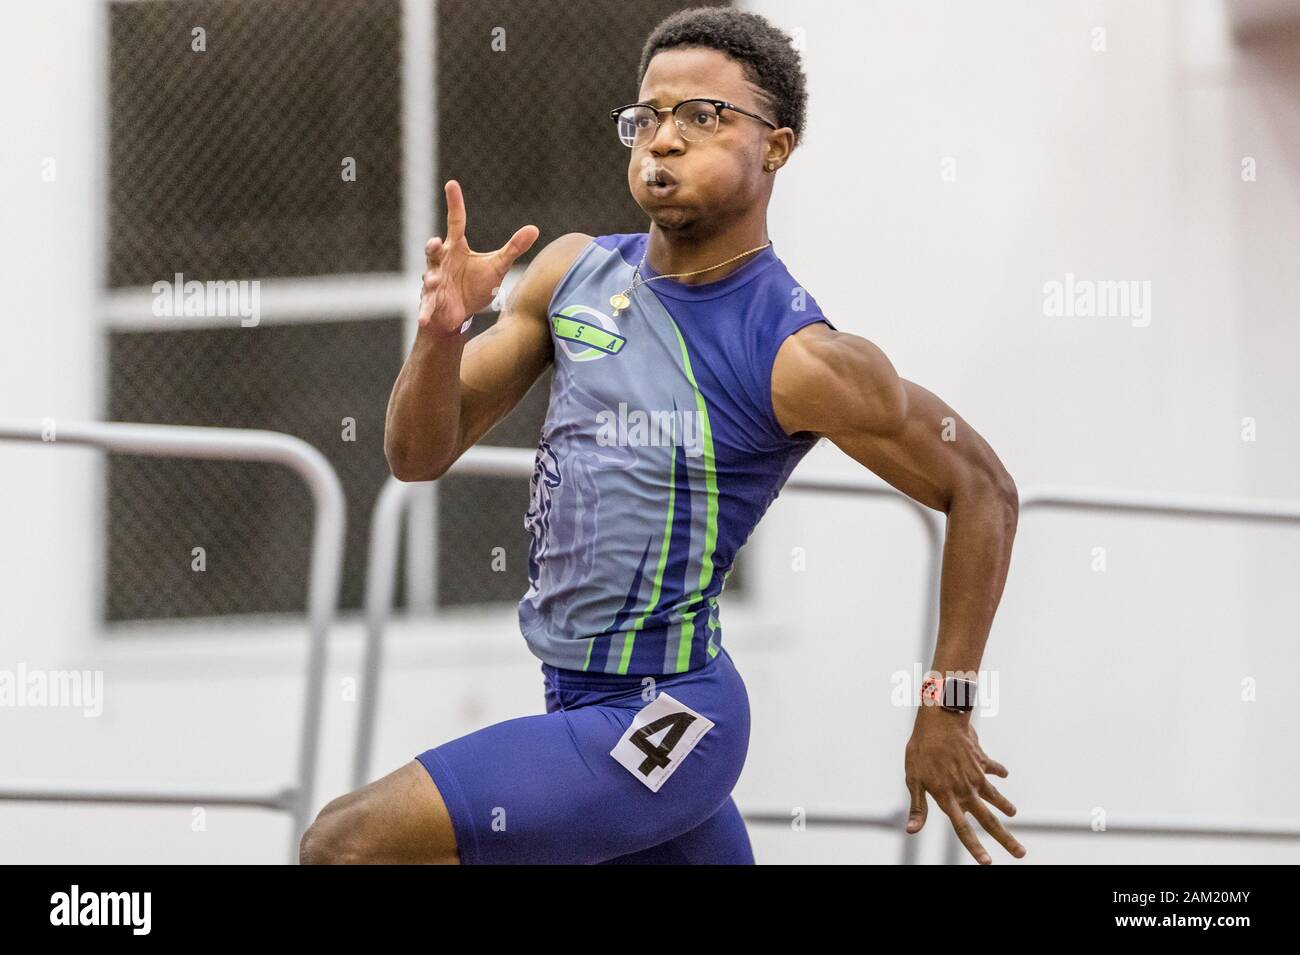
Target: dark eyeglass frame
<point>718,104</point>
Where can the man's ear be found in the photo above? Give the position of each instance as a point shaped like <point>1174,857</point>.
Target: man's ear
<point>780,144</point>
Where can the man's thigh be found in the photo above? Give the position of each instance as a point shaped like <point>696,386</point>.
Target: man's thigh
<point>720,840</point>
<point>545,789</point>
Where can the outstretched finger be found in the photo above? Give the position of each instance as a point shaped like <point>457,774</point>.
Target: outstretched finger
<point>455,212</point>
<point>993,766</point>
<point>918,809</point>
<point>991,794</point>
<point>519,243</point>
<point>998,831</point>
<point>965,831</point>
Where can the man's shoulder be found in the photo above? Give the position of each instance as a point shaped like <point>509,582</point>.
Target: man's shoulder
<point>542,279</point>
<point>563,251</point>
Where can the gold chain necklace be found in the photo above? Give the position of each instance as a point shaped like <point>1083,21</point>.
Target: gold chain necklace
<point>620,300</point>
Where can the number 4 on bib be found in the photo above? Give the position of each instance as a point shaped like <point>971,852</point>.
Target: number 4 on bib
<point>660,737</point>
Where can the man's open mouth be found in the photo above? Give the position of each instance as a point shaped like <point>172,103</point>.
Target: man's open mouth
<point>660,181</point>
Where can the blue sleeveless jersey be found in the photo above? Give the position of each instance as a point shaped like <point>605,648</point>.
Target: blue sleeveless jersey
<point>659,454</point>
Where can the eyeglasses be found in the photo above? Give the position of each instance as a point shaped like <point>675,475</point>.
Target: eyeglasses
<point>696,119</point>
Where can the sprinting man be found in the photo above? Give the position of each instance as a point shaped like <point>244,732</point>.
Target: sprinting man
<point>691,374</point>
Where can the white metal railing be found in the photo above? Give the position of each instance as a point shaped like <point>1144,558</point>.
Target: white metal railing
<point>173,441</point>
<point>514,462</point>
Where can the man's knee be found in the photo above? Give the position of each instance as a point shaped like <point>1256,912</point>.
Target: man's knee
<point>400,819</point>
<point>335,838</point>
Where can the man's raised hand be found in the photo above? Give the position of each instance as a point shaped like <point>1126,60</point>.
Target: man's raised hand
<point>459,281</point>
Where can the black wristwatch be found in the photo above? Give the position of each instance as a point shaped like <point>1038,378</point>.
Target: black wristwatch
<point>958,695</point>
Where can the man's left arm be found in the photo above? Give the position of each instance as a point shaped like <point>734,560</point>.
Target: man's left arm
<point>843,387</point>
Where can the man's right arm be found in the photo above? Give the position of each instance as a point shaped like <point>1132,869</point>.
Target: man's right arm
<point>453,389</point>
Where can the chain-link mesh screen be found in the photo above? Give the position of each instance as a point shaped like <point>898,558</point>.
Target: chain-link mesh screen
<point>229,161</point>
<point>253,521</point>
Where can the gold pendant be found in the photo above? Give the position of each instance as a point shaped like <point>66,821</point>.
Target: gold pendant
<point>620,302</point>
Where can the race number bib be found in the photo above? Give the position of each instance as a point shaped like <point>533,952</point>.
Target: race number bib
<point>660,737</point>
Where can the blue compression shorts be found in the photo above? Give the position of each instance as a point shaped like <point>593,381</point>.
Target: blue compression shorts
<point>545,789</point>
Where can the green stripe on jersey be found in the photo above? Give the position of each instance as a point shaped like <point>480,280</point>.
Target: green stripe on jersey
<point>630,636</point>
<point>686,636</point>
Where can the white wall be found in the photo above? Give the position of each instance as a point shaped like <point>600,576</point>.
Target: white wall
<point>50,261</point>
<point>1119,689</point>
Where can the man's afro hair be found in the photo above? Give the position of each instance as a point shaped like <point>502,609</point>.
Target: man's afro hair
<point>766,54</point>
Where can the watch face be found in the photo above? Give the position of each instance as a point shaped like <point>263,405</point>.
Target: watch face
<point>958,694</point>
